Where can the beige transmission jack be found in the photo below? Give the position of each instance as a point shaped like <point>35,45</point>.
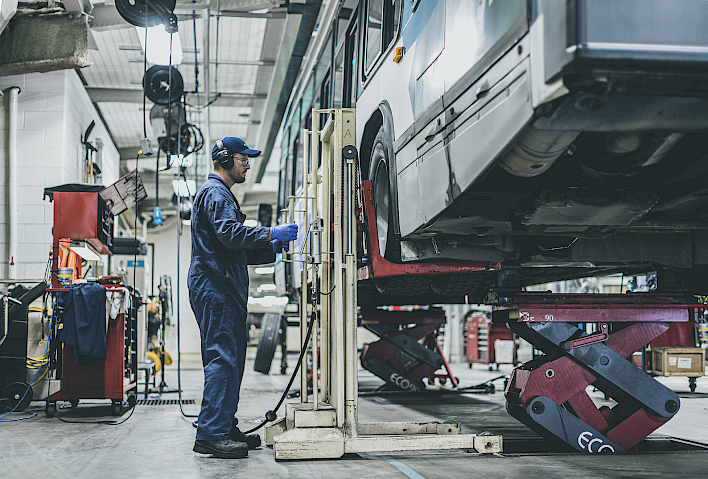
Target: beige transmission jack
<point>327,427</point>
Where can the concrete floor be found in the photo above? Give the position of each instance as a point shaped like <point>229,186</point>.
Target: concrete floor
<point>156,441</point>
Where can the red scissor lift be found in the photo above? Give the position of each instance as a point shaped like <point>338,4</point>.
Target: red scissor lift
<point>408,350</point>
<point>548,394</point>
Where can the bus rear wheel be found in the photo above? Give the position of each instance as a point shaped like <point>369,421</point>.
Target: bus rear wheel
<point>389,242</point>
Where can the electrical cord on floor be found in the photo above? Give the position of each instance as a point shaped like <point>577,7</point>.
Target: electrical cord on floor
<point>271,416</point>
<point>29,386</point>
<point>33,411</point>
<point>106,422</point>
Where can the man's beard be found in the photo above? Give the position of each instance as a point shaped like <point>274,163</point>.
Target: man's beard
<point>238,178</point>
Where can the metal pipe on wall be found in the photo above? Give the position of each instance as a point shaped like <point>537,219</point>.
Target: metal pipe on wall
<point>12,202</point>
<point>206,16</point>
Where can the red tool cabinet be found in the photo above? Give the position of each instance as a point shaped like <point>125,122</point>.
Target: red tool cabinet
<point>81,217</point>
<point>481,339</point>
<point>115,378</point>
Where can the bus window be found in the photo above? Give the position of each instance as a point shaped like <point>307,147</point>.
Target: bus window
<point>307,125</point>
<point>392,13</point>
<point>374,31</point>
<point>325,102</point>
<point>326,92</point>
<point>299,163</point>
<point>285,169</point>
<point>308,95</point>
<point>345,14</point>
<point>351,72</point>
<point>339,78</point>
<point>322,72</point>
<point>283,178</point>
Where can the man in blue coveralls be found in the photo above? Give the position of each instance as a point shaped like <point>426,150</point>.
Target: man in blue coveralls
<point>222,246</point>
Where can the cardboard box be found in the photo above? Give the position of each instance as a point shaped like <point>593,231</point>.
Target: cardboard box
<point>687,362</point>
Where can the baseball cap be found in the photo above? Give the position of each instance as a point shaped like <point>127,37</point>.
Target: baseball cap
<point>235,145</point>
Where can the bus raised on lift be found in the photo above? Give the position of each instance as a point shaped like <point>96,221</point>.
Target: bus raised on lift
<point>558,139</point>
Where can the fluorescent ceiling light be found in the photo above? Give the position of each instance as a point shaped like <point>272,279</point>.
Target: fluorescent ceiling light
<point>181,160</point>
<point>265,270</point>
<point>184,188</point>
<point>266,287</point>
<point>187,222</point>
<point>185,161</point>
<point>85,250</point>
<point>158,43</point>
<point>268,301</point>
<point>250,223</point>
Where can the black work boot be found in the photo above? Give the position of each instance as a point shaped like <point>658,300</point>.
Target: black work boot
<point>253,440</point>
<point>222,448</point>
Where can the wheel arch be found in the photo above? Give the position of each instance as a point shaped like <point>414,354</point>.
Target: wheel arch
<point>382,116</point>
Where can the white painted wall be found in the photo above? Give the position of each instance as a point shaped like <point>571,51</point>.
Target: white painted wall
<point>166,261</point>
<point>53,112</point>
<point>454,331</point>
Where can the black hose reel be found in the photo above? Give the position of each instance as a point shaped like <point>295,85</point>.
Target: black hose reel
<point>145,13</point>
<point>163,85</point>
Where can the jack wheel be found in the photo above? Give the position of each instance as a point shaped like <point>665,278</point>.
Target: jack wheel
<point>116,407</point>
<point>692,384</point>
<point>74,403</point>
<point>18,396</point>
<point>132,399</point>
<point>469,365</point>
<point>50,409</point>
<point>267,342</point>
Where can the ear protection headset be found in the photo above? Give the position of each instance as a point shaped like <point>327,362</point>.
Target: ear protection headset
<point>223,156</point>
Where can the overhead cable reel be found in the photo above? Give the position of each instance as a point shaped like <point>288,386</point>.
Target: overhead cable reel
<point>160,88</point>
<point>161,114</point>
<point>190,140</point>
<point>144,13</point>
<point>183,206</point>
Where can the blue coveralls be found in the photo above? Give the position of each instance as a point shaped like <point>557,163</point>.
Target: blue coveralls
<point>222,246</point>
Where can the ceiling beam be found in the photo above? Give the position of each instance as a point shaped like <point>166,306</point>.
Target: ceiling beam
<point>125,95</point>
<point>242,5</point>
<point>268,15</point>
<point>245,63</point>
<point>106,17</point>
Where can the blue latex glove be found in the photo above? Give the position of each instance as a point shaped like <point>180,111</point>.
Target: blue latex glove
<point>279,246</point>
<point>286,232</point>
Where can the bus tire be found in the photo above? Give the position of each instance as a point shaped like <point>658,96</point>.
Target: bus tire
<point>411,285</point>
<point>462,284</point>
<point>389,242</point>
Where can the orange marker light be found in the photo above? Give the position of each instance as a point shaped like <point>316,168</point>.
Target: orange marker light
<point>399,54</point>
